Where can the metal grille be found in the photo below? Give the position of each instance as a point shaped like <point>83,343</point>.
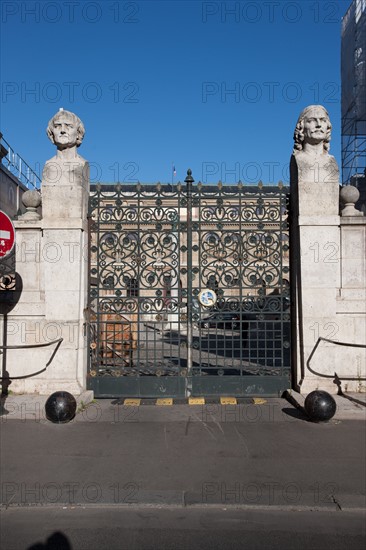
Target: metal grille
<point>154,252</point>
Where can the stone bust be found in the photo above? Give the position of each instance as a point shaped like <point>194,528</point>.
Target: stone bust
<point>311,148</point>
<point>66,131</point>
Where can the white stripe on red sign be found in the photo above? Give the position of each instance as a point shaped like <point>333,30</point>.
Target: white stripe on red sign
<point>4,234</point>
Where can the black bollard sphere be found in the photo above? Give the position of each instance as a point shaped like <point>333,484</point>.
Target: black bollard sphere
<point>320,406</point>
<point>60,407</point>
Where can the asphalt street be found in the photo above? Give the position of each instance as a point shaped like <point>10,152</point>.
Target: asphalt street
<point>150,528</point>
<point>209,476</point>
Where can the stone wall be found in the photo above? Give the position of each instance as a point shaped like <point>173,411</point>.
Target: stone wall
<point>52,265</point>
<point>51,272</point>
<point>328,262</point>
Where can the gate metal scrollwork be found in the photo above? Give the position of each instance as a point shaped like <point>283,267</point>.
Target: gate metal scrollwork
<point>153,249</point>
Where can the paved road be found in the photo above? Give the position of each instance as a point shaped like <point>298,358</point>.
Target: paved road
<point>244,454</point>
<point>174,477</point>
<point>147,528</point>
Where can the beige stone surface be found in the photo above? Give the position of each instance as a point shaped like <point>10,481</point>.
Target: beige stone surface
<point>325,221</point>
<point>28,255</point>
<point>51,258</point>
<point>353,250</point>
<point>333,290</point>
<point>331,262</point>
<point>317,200</point>
<point>57,204</point>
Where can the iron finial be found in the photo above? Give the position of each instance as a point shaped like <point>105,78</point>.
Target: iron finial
<point>189,178</point>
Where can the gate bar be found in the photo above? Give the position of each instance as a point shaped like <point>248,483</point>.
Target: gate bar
<point>189,181</point>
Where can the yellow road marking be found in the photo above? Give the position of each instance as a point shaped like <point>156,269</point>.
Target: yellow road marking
<point>259,401</point>
<point>228,401</point>
<point>164,402</point>
<point>196,400</point>
<point>132,402</point>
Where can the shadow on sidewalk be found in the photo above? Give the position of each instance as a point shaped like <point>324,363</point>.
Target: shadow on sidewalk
<point>296,413</point>
<point>353,400</point>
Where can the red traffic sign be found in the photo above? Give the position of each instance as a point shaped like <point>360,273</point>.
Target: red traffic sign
<point>7,235</point>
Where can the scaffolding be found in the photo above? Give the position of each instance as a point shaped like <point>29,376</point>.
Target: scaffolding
<point>353,77</point>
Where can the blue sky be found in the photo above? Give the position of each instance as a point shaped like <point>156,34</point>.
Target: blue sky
<point>214,86</point>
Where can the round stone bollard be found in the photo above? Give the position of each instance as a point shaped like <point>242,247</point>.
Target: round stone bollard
<point>60,407</point>
<point>320,406</point>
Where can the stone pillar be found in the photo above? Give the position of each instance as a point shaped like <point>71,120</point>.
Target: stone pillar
<point>317,259</point>
<point>65,253</point>
<point>315,251</point>
<point>52,261</point>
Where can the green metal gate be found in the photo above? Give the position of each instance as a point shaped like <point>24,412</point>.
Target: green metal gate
<point>189,290</point>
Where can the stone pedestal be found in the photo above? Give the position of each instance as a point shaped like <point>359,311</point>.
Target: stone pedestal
<point>52,275</point>
<point>315,278</point>
<point>65,192</point>
<point>316,255</point>
<point>52,264</point>
<point>52,261</point>
<point>329,288</point>
<point>328,265</point>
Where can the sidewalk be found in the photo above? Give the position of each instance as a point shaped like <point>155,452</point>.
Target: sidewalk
<point>351,406</point>
<point>263,454</point>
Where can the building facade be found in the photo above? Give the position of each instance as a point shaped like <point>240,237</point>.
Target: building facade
<point>353,81</point>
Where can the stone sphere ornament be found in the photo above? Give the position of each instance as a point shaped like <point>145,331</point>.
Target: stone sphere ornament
<point>32,200</point>
<point>60,407</point>
<point>349,196</point>
<point>320,406</point>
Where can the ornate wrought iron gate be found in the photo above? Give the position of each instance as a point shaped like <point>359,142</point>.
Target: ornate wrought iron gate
<point>189,290</point>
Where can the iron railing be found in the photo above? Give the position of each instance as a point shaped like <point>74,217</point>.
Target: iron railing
<point>19,167</point>
<point>154,251</point>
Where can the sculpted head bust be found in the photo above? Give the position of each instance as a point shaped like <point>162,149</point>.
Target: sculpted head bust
<point>313,128</point>
<point>311,159</point>
<point>65,130</point>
